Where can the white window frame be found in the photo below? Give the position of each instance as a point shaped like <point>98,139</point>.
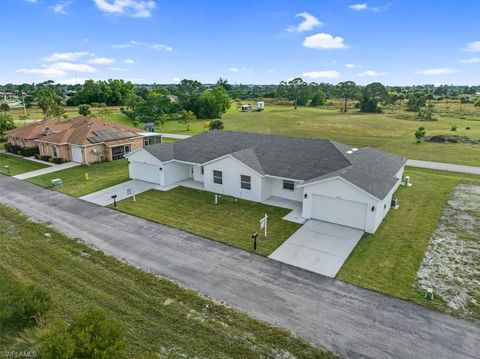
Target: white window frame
<point>247,183</point>
<point>217,177</point>
<point>54,151</point>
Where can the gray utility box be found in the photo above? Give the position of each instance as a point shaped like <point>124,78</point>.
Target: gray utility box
<point>56,182</point>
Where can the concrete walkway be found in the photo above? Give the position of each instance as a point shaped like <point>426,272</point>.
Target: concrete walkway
<point>319,247</point>
<point>445,166</point>
<point>350,321</point>
<point>43,171</point>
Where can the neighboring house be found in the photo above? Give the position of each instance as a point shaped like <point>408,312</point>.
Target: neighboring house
<point>333,182</point>
<point>81,139</point>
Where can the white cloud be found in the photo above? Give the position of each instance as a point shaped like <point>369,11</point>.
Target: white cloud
<point>68,66</point>
<point>324,74</point>
<point>353,66</point>
<point>47,72</point>
<point>240,69</point>
<point>271,70</point>
<point>61,7</point>
<point>437,71</point>
<point>129,61</point>
<point>102,60</point>
<point>133,8</point>
<point>132,43</point>
<point>473,46</point>
<point>31,1</point>
<point>117,69</point>
<point>371,73</point>
<point>324,41</point>
<point>359,7</point>
<point>162,47</point>
<point>309,22</point>
<point>72,81</point>
<point>66,56</point>
<point>176,79</point>
<point>471,60</point>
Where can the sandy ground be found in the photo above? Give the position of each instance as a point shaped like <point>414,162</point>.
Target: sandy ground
<point>451,266</point>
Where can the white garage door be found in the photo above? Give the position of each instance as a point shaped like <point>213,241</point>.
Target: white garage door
<point>77,154</point>
<point>340,211</point>
<point>144,172</point>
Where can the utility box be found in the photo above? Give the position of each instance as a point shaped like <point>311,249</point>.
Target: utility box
<point>56,182</point>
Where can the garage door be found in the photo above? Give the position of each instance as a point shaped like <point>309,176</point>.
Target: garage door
<point>144,172</point>
<point>340,211</point>
<point>77,154</point>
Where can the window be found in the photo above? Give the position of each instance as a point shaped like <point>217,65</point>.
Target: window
<point>289,185</point>
<point>245,182</point>
<point>55,151</point>
<point>203,170</point>
<point>217,177</point>
<point>146,142</point>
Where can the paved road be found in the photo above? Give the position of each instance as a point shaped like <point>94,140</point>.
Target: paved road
<point>444,166</point>
<point>345,319</point>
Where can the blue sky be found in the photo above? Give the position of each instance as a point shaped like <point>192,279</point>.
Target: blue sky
<point>397,42</point>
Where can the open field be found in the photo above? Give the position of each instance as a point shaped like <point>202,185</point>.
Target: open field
<point>101,175</point>
<point>17,165</point>
<point>391,131</point>
<point>388,260</point>
<point>159,318</point>
<point>228,222</point>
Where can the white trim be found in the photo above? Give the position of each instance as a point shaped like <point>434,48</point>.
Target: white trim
<point>344,180</point>
<point>157,161</point>
<point>236,159</point>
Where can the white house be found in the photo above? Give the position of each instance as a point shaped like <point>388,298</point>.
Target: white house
<point>332,182</point>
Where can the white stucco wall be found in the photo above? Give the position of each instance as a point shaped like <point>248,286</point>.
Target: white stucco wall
<point>279,191</point>
<point>339,188</point>
<point>174,172</point>
<point>231,170</point>
<point>197,173</point>
<point>141,164</point>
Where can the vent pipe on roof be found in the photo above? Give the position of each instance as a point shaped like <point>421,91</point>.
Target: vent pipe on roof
<point>354,149</point>
<point>349,152</point>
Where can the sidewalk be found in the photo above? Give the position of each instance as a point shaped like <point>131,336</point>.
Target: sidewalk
<point>43,171</point>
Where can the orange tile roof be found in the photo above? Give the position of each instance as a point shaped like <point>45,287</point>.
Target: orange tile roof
<point>79,130</point>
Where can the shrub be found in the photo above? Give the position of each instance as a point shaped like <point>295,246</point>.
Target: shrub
<point>8,147</point>
<point>20,305</point>
<point>215,125</point>
<point>90,335</point>
<point>29,151</point>
<point>58,160</point>
<point>84,110</point>
<point>45,158</point>
<point>420,133</point>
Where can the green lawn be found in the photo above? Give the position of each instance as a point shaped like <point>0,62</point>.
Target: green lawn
<point>17,165</point>
<point>160,319</point>
<point>101,175</point>
<point>228,222</point>
<point>388,260</point>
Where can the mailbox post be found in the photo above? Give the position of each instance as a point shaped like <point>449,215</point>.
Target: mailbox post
<point>114,197</point>
<point>254,237</point>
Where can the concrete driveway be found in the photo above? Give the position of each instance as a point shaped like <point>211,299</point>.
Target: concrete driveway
<point>122,190</point>
<point>319,247</point>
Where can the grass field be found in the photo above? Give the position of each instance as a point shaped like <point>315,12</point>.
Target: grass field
<point>390,131</point>
<point>17,165</point>
<point>388,260</point>
<point>101,175</point>
<point>159,318</point>
<point>228,222</point>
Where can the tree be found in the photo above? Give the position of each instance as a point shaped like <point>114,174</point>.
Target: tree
<point>91,335</point>
<point>84,110</point>
<point>186,118</point>
<point>347,90</point>
<point>4,107</point>
<point>57,111</point>
<point>296,90</point>
<point>211,103</point>
<point>420,133</point>
<point>373,95</point>
<point>215,125</point>
<point>47,100</point>
<point>477,102</point>
<point>426,113</point>
<point>318,99</point>
<point>6,123</point>
<point>416,101</point>
<point>155,108</point>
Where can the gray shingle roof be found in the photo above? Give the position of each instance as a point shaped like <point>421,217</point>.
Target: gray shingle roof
<point>296,158</point>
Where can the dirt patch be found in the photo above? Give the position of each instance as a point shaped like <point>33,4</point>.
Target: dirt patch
<point>451,266</point>
<point>451,139</point>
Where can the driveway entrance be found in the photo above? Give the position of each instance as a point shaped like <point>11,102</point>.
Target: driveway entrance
<point>319,247</point>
